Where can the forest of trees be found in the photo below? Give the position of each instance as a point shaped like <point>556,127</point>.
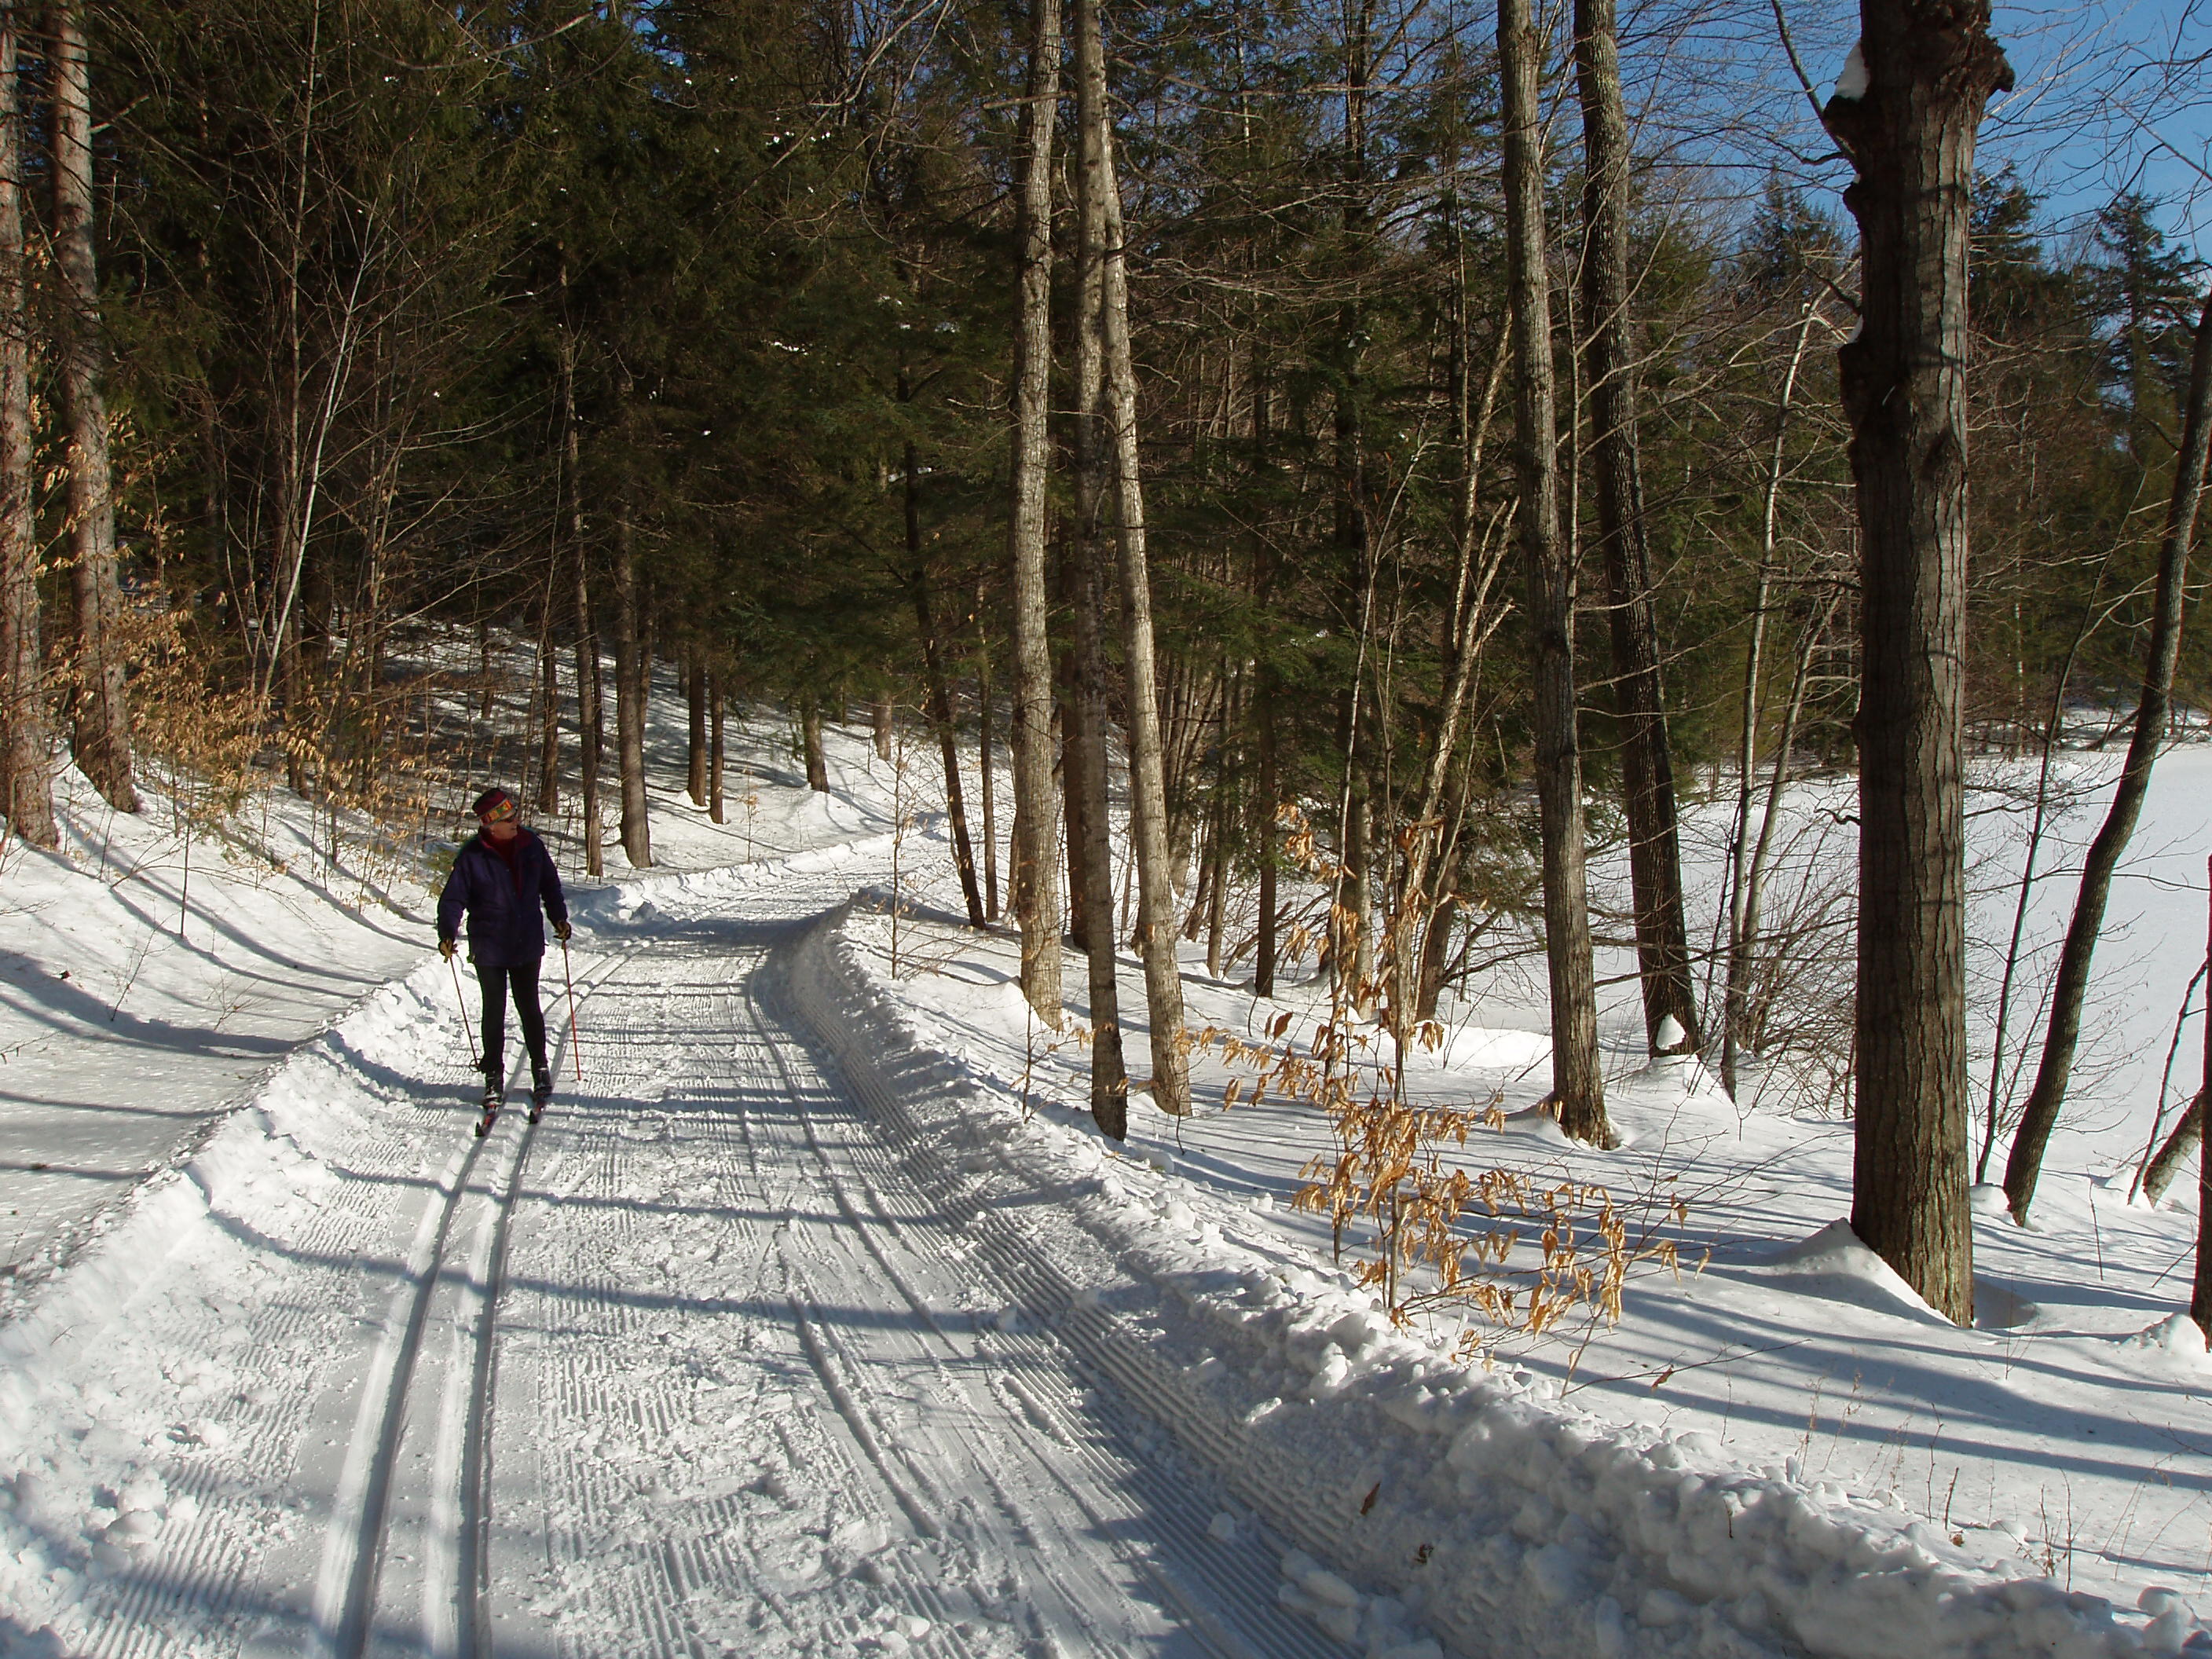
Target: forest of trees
<point>1424,480</point>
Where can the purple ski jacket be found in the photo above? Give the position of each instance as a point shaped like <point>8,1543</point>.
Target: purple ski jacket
<point>505,927</point>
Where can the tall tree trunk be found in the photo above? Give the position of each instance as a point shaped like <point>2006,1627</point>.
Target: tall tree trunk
<point>1036,868</point>
<point>714,751</point>
<point>26,788</point>
<point>1090,822</point>
<point>2062,1034</point>
<point>1929,68</point>
<point>881,714</point>
<point>100,737</point>
<point>941,695</point>
<point>809,737</point>
<point>695,701</point>
<point>1264,946</point>
<point>1171,1081</point>
<point>1654,862</point>
<point>1577,1084</point>
<point>591,719</point>
<point>630,681</point>
<point>548,708</point>
<point>987,764</point>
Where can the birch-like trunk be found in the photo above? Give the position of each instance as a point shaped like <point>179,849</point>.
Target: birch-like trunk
<point>1929,68</point>
<point>25,784</point>
<point>1647,764</point>
<point>101,712</point>
<point>1148,815</point>
<point>1036,868</point>
<point>1577,1086</point>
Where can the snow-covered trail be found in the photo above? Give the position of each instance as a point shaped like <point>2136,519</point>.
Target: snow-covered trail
<point>696,1365</point>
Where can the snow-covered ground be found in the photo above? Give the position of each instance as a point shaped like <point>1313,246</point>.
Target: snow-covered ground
<point>815,1319</point>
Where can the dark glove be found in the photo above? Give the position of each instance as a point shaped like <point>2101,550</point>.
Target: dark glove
<point>448,947</point>
<point>561,932</point>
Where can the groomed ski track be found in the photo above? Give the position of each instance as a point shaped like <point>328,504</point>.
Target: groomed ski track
<point>705,1363</point>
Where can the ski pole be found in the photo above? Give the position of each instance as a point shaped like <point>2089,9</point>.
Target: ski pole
<point>576,1045</point>
<point>464,1003</point>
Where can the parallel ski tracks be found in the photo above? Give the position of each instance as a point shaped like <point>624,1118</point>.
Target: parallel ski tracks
<point>1148,1512</point>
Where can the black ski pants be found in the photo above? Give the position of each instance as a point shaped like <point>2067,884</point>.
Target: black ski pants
<point>497,983</point>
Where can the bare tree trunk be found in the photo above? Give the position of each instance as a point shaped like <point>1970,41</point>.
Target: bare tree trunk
<point>26,788</point>
<point>630,679</point>
<point>1654,862</point>
<point>1741,923</point>
<point>694,701</point>
<point>1090,822</point>
<point>810,737</point>
<point>1577,1084</point>
<point>2063,1033</point>
<point>548,708</point>
<point>940,693</point>
<point>2166,1164</point>
<point>1264,946</point>
<point>2200,1299</point>
<point>591,719</point>
<point>1036,868</point>
<point>1148,814</point>
<point>714,750</point>
<point>1929,68</point>
<point>986,766</point>
<point>100,737</point>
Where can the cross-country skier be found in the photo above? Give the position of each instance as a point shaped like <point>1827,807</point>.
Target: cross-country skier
<point>502,878</point>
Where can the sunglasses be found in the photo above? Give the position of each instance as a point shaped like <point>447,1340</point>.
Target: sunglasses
<point>499,814</point>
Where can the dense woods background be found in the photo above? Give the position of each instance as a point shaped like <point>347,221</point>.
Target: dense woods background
<point>688,332</point>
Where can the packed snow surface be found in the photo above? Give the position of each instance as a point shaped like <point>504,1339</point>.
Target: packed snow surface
<point>815,1319</point>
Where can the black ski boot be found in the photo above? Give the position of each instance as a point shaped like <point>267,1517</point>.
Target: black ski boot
<point>541,1090</point>
<point>494,1098</point>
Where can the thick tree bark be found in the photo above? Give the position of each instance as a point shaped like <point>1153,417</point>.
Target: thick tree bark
<point>941,695</point>
<point>1148,813</point>
<point>714,751</point>
<point>26,786</point>
<point>1036,865</point>
<point>100,714</point>
<point>631,676</point>
<point>1577,1084</point>
<point>1654,862</point>
<point>881,716</point>
<point>1929,68</point>
<point>2062,1032</point>
<point>694,709</point>
<point>810,737</point>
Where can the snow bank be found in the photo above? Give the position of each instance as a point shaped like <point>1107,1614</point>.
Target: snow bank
<point>1476,1502</point>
